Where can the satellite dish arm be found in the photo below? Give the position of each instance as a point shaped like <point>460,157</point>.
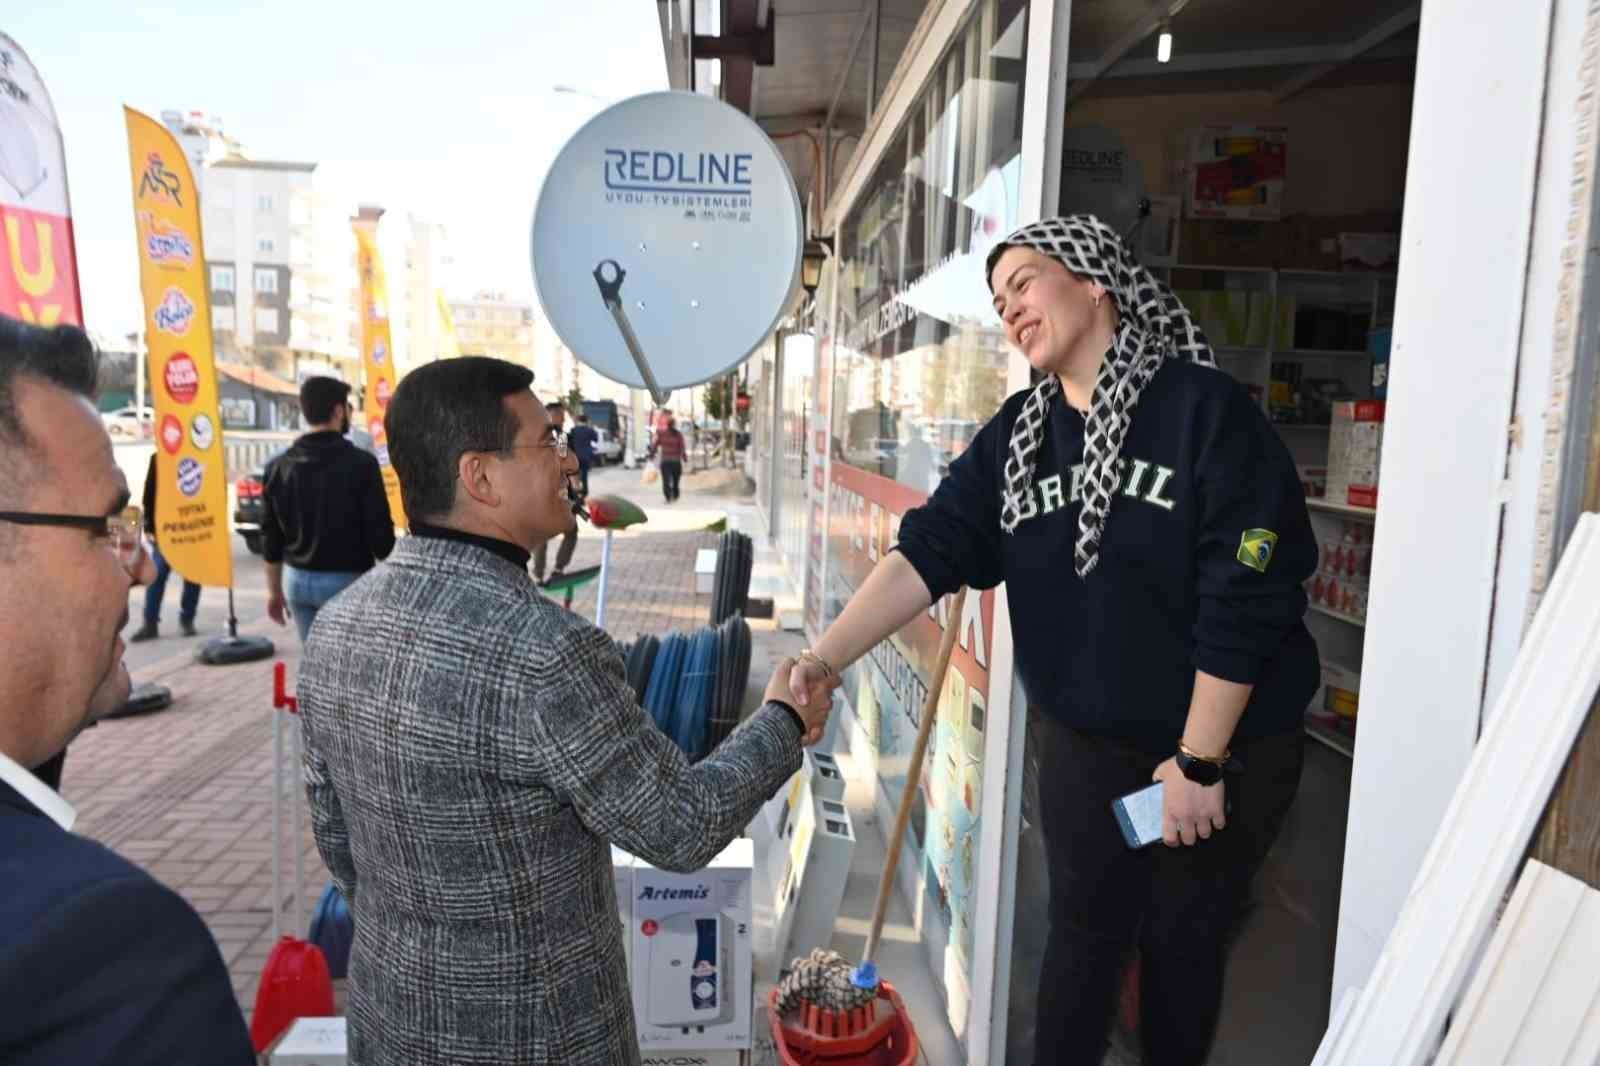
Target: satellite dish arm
<point>611,295</point>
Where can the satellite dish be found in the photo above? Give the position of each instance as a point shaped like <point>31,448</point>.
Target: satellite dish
<point>666,241</point>
<point>1100,177</point>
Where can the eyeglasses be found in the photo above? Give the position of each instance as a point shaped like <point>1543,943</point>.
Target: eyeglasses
<point>124,530</point>
<point>558,442</point>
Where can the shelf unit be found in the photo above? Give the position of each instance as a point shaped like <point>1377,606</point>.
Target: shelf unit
<point>1263,320</point>
<point>1340,615</point>
<point>1348,510</point>
<point>1332,738</point>
<point>1252,329</point>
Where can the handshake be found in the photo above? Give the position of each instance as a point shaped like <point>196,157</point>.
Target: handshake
<point>808,688</point>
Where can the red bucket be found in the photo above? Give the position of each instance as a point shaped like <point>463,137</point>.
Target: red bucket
<point>876,1034</point>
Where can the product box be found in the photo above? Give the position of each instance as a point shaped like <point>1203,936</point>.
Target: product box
<point>1314,480</point>
<point>1341,689</point>
<point>691,954</point>
<point>819,776</point>
<point>311,1042</point>
<point>1344,569</point>
<point>1235,172</point>
<point>1355,442</point>
<point>1379,341</point>
<point>816,864</point>
<point>686,1057</point>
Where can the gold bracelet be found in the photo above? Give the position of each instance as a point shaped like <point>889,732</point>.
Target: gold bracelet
<point>807,655</point>
<point>1215,760</point>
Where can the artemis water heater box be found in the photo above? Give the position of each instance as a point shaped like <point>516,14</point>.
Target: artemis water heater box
<point>691,953</point>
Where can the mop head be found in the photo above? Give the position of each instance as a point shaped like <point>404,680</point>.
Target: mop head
<point>825,980</point>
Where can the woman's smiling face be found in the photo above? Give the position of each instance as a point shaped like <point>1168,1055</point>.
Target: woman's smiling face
<point>1046,309</point>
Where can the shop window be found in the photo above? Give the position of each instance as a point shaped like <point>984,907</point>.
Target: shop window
<point>922,359</point>
<point>918,362</point>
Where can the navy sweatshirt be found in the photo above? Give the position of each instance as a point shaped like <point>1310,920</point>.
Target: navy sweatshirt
<point>1201,563</point>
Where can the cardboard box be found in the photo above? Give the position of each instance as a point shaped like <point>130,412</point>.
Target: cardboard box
<point>1235,172</point>
<point>688,1057</point>
<point>705,571</point>
<point>1355,443</point>
<point>1341,689</point>
<point>311,1042</point>
<point>806,899</point>
<point>820,776</point>
<point>691,954</point>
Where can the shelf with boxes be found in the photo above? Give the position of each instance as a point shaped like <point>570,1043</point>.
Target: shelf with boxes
<point>1337,597</point>
<point>1299,340</point>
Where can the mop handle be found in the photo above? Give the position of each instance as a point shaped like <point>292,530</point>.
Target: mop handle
<point>930,707</point>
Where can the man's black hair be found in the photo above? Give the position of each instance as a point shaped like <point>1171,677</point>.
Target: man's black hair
<point>319,396</point>
<point>442,410</point>
<point>62,356</point>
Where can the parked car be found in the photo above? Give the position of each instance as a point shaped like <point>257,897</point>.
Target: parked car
<point>247,504</point>
<point>247,508</point>
<point>131,422</point>
<point>607,449</point>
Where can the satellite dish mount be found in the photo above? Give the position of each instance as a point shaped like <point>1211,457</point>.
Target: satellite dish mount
<point>611,296</point>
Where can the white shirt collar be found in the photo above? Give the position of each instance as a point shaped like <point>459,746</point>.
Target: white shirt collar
<point>37,792</point>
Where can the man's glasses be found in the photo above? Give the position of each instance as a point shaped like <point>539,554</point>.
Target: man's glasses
<point>123,530</point>
<point>558,442</point>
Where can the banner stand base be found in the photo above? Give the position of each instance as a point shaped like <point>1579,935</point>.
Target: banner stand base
<point>226,651</point>
<point>143,699</point>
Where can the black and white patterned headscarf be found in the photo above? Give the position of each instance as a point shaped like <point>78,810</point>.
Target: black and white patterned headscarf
<point>1152,327</point>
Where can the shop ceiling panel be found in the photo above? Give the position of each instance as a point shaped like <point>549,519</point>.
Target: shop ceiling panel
<point>1230,25</point>
<point>1393,71</point>
<point>812,40</point>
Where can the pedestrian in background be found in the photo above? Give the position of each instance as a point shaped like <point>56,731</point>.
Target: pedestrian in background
<point>671,448</point>
<point>557,414</point>
<point>324,513</point>
<point>582,440</point>
<point>100,963</point>
<point>189,602</point>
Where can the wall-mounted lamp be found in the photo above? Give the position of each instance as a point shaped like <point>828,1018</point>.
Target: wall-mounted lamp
<point>816,252</point>
<point>1164,42</point>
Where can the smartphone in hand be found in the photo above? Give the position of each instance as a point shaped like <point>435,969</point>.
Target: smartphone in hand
<point>1138,815</point>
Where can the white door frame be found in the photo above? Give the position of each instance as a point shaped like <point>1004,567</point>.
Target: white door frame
<point>1044,101</point>
<point>1464,269</point>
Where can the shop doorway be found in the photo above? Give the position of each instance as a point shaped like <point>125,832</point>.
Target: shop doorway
<point>1258,161</point>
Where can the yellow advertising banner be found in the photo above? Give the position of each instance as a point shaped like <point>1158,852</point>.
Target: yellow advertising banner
<point>377,355</point>
<point>191,488</point>
<point>449,343</point>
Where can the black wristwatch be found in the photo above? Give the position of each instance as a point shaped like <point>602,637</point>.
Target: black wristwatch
<point>1205,771</point>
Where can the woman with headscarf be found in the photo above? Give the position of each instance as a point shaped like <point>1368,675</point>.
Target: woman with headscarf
<point>1153,535</point>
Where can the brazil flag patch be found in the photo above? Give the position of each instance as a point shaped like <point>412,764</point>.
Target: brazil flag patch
<point>1255,548</point>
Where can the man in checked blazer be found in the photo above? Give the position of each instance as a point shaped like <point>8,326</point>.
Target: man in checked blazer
<point>471,750</point>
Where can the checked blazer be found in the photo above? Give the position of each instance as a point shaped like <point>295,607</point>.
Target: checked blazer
<point>471,749</point>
